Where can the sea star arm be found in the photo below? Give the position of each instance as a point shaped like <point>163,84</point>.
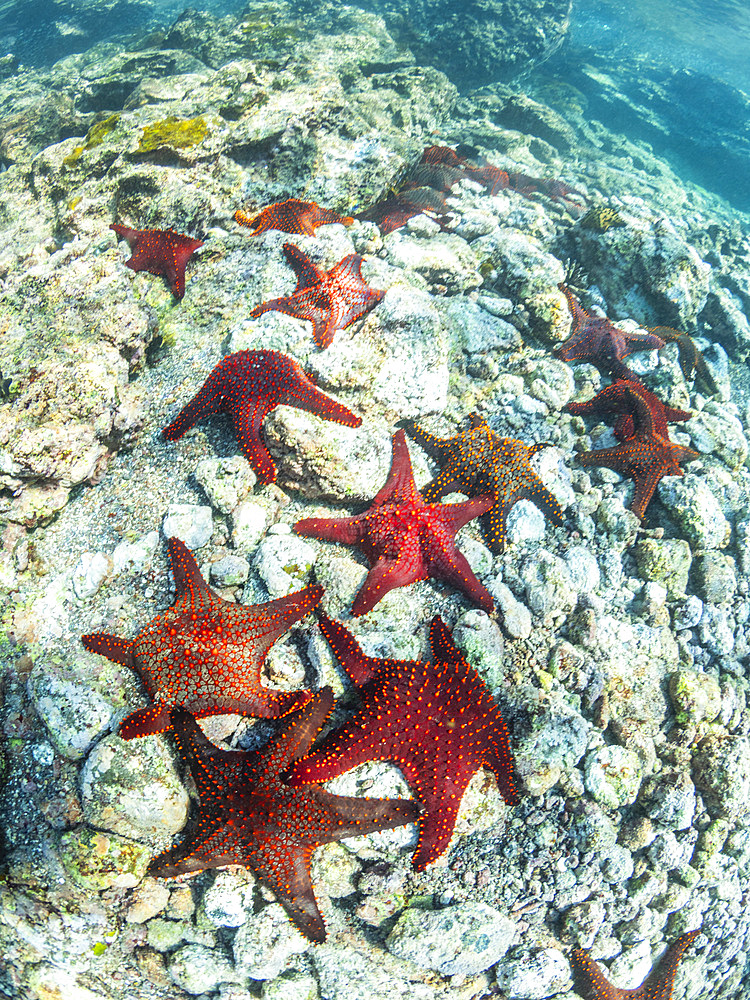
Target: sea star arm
<point>285,869</point>
<point>658,985</point>
<point>305,395</point>
<point>187,577</point>
<point>268,622</point>
<point>347,530</point>
<point>460,575</point>
<point>113,647</point>
<point>387,575</point>
<point>640,342</point>
<point>307,273</point>
<point>444,562</point>
<point>247,420</point>
<point>348,652</point>
<point>208,400</point>
<point>434,446</point>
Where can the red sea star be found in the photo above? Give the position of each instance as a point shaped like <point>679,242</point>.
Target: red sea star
<point>161,252</point>
<point>292,216</point>
<point>658,985</point>
<point>596,339</point>
<point>330,300</point>
<point>619,398</point>
<point>648,454</point>
<point>248,385</point>
<point>404,538</point>
<point>690,358</point>
<point>249,816</point>
<point>396,211</point>
<point>478,461</point>
<point>205,654</point>
<point>436,721</point>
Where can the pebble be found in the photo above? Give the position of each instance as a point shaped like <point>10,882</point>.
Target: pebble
<point>666,561</point>
<point>265,943</point>
<point>249,521</point>
<point>283,561</point>
<point>715,577</point>
<point>225,481</point>
<point>75,712</point>
<point>516,616</point>
<point>135,556</point>
<point>534,975</point>
<point>197,969</point>
<point>687,614</point>
<point>230,571</point>
<point>89,574</point>
<point>132,788</point>
<point>583,569</point>
<point>721,771</point>
<point>191,523</point>
<point>613,776</point>
<point>290,986</point>
<point>525,523</point>
<point>696,511</point>
<point>460,940</point>
<point>228,901</point>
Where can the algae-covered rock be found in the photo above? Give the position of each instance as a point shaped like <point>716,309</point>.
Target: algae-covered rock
<point>695,697</point>
<point>696,510</point>
<point>173,132</point>
<point>226,481</point>
<point>613,776</point>
<point>721,770</point>
<point>534,974</point>
<point>265,943</point>
<point>666,561</point>
<point>715,577</point>
<point>549,588</point>
<point>283,561</point>
<point>132,788</point>
<point>291,986</point>
<point>95,860</point>
<point>462,940</point>
<point>198,969</point>
<point>483,41</point>
<point>714,431</point>
<point>191,523</point>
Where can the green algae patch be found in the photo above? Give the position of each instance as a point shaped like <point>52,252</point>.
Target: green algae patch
<point>94,137</point>
<point>97,860</point>
<point>177,133</point>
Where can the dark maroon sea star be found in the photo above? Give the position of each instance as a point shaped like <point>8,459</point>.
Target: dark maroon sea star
<point>247,386</point>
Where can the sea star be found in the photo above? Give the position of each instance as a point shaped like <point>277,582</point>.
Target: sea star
<point>292,216</point>
<point>404,538</point>
<point>492,178</point>
<point>396,211</point>
<point>330,300</point>
<point>161,252</point>
<point>479,461</point>
<point>658,985</point>
<point>648,454</point>
<point>248,816</point>
<point>621,397</point>
<point>248,385</point>
<point>205,654</point>
<point>690,358</point>
<point>437,721</point>
<point>596,339</point>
